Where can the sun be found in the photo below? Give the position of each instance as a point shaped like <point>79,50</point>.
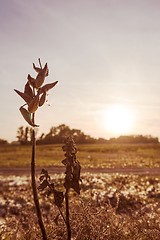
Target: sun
<point>118,119</point>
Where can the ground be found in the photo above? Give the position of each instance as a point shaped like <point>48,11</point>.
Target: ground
<point>119,199</point>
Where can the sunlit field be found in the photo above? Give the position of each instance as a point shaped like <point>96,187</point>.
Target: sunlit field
<point>111,206</point>
<point>90,155</point>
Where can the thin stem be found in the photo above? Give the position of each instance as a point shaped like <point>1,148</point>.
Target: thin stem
<point>60,211</point>
<point>34,187</point>
<point>62,215</point>
<point>39,60</point>
<point>67,215</point>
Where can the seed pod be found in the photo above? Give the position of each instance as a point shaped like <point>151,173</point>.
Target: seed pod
<point>27,116</point>
<point>42,99</point>
<point>41,76</point>
<point>32,107</point>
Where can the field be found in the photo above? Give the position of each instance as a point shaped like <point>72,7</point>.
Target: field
<point>89,155</point>
<point>112,205</point>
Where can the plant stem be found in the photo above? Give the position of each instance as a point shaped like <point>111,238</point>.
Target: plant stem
<point>57,205</point>
<point>39,60</point>
<point>34,188</point>
<point>67,215</point>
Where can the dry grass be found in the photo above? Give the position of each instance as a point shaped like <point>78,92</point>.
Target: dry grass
<point>90,155</point>
<point>112,207</point>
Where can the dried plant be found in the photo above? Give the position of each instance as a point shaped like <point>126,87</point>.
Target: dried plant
<point>34,96</point>
<point>72,180</point>
<point>72,177</point>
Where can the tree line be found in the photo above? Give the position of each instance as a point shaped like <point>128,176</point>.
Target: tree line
<point>135,139</point>
<point>57,135</point>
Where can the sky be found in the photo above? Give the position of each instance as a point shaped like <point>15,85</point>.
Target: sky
<point>103,53</point>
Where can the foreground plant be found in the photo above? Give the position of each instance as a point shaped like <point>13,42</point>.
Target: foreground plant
<point>34,96</point>
<point>72,180</point>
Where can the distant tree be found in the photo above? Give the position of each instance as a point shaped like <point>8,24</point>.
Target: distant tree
<point>80,137</point>
<point>2,141</point>
<point>55,135</point>
<point>20,134</point>
<point>102,140</point>
<point>134,139</point>
<point>24,135</point>
<point>59,133</point>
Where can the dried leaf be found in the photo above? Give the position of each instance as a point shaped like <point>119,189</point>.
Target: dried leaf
<point>28,90</point>
<point>58,198</point>
<point>77,171</point>
<point>64,161</point>
<point>47,87</point>
<point>42,99</point>
<point>45,174</point>
<point>67,183</point>
<point>25,96</point>
<point>39,80</point>
<point>43,185</point>
<point>27,116</point>
<point>46,70</point>
<point>33,106</point>
<point>49,192</point>
<point>37,69</point>
<point>31,80</point>
<point>75,186</point>
<point>44,171</point>
<point>41,76</point>
<point>41,178</point>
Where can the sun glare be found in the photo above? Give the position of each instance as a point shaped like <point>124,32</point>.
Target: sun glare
<point>118,119</point>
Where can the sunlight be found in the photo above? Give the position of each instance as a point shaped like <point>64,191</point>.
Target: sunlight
<point>118,119</point>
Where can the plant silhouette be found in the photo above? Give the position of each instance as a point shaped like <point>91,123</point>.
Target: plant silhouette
<point>34,95</point>
<point>71,180</point>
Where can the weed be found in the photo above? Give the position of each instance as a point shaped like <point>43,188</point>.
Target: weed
<point>34,96</point>
<point>72,179</point>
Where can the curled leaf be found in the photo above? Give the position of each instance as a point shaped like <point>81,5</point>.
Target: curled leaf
<point>45,174</point>
<point>43,185</point>
<point>27,116</point>
<point>33,105</point>
<point>42,99</point>
<point>47,87</point>
<point>41,178</point>
<point>27,98</point>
